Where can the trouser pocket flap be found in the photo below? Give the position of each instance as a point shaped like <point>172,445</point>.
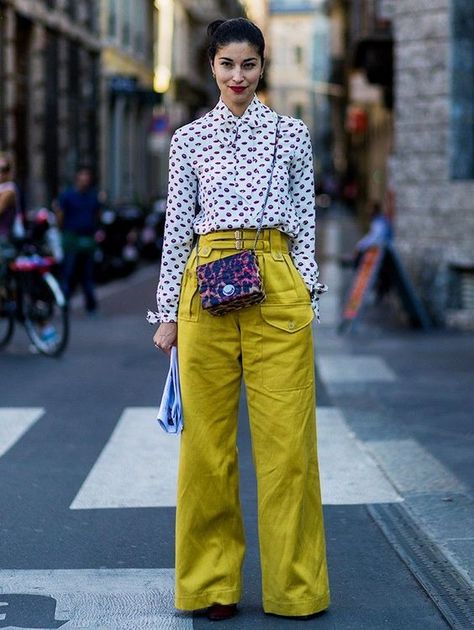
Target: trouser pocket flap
<point>290,318</point>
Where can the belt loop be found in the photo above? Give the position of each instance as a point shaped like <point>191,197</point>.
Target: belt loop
<point>276,244</point>
<point>239,237</point>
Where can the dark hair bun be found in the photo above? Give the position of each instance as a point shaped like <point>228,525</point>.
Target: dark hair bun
<point>223,32</point>
<point>213,26</point>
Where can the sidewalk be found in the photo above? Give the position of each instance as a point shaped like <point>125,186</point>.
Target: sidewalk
<point>409,400</point>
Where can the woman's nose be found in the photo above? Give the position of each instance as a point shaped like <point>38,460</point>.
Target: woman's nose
<point>237,75</point>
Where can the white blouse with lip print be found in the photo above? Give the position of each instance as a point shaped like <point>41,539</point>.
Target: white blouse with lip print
<point>219,170</point>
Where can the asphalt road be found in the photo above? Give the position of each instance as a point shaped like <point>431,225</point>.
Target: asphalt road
<point>86,483</point>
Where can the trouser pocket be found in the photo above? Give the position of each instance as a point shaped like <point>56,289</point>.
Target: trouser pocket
<point>282,281</point>
<point>287,346</point>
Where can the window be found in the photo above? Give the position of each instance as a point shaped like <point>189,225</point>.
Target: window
<point>90,15</point>
<point>298,110</point>
<point>70,8</point>
<point>112,19</point>
<point>461,146</point>
<point>298,55</point>
<point>3,72</point>
<point>127,9</point>
<point>142,27</point>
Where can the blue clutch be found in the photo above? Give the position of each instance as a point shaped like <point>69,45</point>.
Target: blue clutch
<point>170,415</point>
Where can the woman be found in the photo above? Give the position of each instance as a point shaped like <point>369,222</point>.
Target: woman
<point>8,200</point>
<point>220,167</point>
<point>10,215</point>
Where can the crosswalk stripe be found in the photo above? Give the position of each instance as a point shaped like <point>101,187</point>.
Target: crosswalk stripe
<point>103,599</point>
<point>348,474</point>
<point>346,368</point>
<point>137,467</point>
<point>15,422</point>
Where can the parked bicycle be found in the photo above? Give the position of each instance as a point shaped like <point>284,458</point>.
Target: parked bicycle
<point>30,294</point>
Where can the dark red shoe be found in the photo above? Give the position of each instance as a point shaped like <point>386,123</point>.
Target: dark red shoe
<point>218,612</point>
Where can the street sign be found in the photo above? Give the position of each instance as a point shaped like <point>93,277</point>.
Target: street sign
<point>375,261</point>
<point>363,282</point>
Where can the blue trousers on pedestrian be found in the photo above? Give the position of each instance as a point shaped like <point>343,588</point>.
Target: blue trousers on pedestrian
<point>78,267</point>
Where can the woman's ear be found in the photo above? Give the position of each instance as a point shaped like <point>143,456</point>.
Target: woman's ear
<point>211,63</point>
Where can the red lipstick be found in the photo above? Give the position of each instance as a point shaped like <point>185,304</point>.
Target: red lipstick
<point>237,89</point>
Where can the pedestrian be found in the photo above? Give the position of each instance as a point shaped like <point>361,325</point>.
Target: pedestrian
<point>241,166</point>
<point>380,231</point>
<point>78,216</point>
<point>11,217</point>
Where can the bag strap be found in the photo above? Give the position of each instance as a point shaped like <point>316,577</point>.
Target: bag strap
<point>260,219</point>
<point>259,228</point>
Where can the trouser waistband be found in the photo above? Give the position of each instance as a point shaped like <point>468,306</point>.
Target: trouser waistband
<point>269,239</point>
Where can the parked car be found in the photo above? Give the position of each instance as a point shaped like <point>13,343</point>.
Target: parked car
<point>117,253</point>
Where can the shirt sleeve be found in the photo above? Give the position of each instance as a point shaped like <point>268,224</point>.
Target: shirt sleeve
<point>303,245</point>
<point>178,237</point>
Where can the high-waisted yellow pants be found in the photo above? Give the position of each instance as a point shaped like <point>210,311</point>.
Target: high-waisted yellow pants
<point>271,346</point>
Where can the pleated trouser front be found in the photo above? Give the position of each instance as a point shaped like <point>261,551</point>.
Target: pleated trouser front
<point>270,345</point>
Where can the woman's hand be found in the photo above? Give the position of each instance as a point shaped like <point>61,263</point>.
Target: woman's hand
<point>165,336</point>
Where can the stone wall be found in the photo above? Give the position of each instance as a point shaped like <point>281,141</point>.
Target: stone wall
<point>44,125</point>
<point>435,215</point>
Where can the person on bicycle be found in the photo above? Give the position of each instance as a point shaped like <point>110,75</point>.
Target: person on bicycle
<point>78,216</point>
<point>9,207</point>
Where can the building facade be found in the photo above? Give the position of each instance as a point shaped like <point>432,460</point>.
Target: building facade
<point>257,11</point>
<point>433,168</point>
<point>409,127</point>
<point>49,64</point>
<point>299,70</point>
<point>192,88</point>
<point>366,67</point>
<point>182,72</point>
<point>128,165</point>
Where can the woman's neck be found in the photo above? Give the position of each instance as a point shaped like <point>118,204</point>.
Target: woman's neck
<point>238,109</point>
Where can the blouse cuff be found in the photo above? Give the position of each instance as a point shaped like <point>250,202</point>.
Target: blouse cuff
<point>319,289</point>
<point>152,317</point>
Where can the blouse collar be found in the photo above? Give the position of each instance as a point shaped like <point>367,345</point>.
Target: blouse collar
<point>252,115</point>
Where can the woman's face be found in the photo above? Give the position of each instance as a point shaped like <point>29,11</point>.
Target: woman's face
<point>237,67</point>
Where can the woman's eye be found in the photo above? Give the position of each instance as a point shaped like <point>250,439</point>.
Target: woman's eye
<point>249,66</point>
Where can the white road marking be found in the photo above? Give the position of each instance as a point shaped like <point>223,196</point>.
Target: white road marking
<point>15,422</point>
<point>348,474</point>
<point>346,368</point>
<point>137,468</point>
<point>412,469</point>
<point>98,599</point>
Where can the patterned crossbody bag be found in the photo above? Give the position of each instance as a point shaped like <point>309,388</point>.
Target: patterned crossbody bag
<point>234,282</point>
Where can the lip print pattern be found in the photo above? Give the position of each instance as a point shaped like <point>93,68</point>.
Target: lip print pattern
<point>230,283</point>
<point>220,164</point>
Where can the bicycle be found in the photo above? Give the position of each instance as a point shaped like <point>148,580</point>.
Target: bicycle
<point>30,294</point>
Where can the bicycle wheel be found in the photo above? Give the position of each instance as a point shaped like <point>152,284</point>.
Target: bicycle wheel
<point>7,317</point>
<point>45,313</point>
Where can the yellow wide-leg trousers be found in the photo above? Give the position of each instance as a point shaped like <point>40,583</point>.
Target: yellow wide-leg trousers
<point>271,346</point>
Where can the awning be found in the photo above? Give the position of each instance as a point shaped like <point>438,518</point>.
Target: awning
<point>130,88</point>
